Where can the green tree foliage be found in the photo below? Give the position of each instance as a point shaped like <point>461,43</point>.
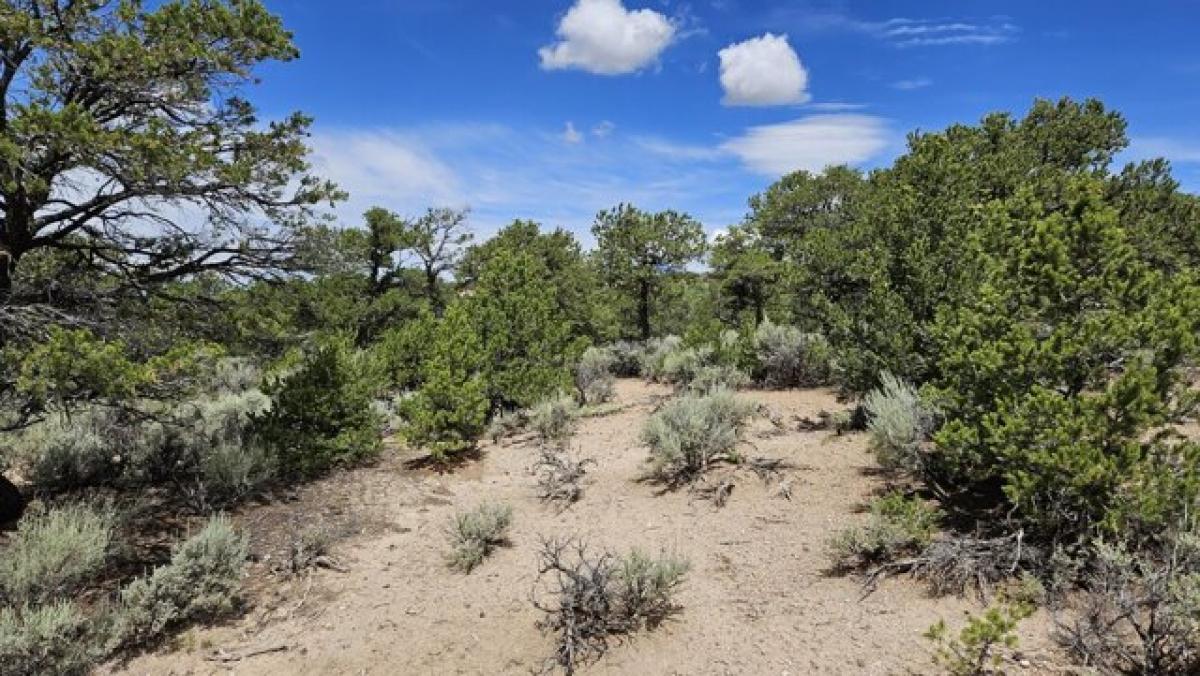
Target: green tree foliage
<point>144,100</point>
<point>1057,373</point>
<point>577,290</point>
<point>437,241</point>
<point>747,272</point>
<point>321,413</point>
<point>450,410</point>
<point>637,251</point>
<point>526,337</point>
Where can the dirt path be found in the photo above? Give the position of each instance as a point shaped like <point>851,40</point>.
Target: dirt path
<point>757,600</point>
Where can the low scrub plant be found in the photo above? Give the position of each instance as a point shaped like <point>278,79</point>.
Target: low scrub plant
<point>1139,612</point>
<point>230,473</point>
<point>506,424</point>
<point>899,422</point>
<point>554,420</point>
<point>200,582</point>
<point>693,431</point>
<point>981,646</point>
<point>55,638</point>
<point>559,474</point>
<point>898,526</point>
<point>476,533</point>
<point>628,358</point>
<point>680,367</point>
<point>654,355</point>
<point>788,357</point>
<point>715,376</point>
<point>588,598</point>
<point>594,379</point>
<point>84,449</point>
<point>54,552</point>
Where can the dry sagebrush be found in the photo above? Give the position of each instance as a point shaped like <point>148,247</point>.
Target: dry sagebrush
<point>589,597</point>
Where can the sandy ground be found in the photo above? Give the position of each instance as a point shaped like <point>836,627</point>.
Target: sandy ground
<point>758,599</point>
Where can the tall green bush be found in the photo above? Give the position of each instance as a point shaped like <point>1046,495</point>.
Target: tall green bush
<point>450,410</point>
<point>321,413</point>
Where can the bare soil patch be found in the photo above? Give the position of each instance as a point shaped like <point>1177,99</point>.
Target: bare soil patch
<point>759,598</point>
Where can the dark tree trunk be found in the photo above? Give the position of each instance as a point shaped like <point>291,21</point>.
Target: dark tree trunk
<point>644,309</point>
<point>6,275</point>
<point>12,503</point>
<point>759,309</point>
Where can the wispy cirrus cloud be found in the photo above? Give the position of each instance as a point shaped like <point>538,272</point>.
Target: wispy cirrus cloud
<point>904,32</point>
<point>911,84</point>
<point>901,31</point>
<point>503,173</point>
<point>1180,151</point>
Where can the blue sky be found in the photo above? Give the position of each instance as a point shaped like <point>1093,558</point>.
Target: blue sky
<point>555,109</point>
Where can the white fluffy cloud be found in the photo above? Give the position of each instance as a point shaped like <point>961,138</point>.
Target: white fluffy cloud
<point>810,143</point>
<point>762,71</point>
<point>603,37</point>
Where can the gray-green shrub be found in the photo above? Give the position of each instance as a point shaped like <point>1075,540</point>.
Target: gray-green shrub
<point>54,639</point>
<point>712,377</point>
<point>554,419</point>
<point>594,376</point>
<point>474,534</point>
<point>201,581</point>
<point>788,357</point>
<point>898,526</point>
<point>898,422</point>
<point>229,473</point>
<point>654,354</point>
<point>681,366</point>
<point>692,431</point>
<point>54,552</point>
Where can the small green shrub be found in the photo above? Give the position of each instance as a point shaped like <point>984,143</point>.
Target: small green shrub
<point>693,431</point>
<point>65,453</point>
<point>788,357</point>
<point>200,582</point>
<point>628,358</point>
<point>899,422</point>
<point>980,647</point>
<point>474,534</point>
<point>898,526</point>
<point>322,413</point>
<point>54,639</point>
<point>554,420</point>
<point>54,552</point>
<point>594,376</point>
